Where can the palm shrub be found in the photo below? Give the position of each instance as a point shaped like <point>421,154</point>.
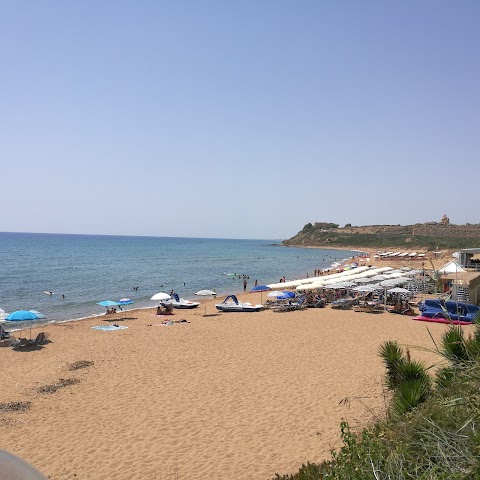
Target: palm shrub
<point>473,342</point>
<point>454,346</point>
<point>407,379</point>
<point>409,394</point>
<point>392,355</point>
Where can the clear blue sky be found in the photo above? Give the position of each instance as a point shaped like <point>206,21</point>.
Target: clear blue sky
<point>237,119</point>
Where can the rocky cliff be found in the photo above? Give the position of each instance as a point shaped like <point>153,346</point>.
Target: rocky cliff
<point>429,236</point>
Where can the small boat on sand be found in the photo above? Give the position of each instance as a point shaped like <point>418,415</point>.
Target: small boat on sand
<point>177,302</point>
<point>232,304</point>
<point>449,310</point>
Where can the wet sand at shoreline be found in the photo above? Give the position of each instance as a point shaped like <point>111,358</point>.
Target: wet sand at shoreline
<point>225,396</point>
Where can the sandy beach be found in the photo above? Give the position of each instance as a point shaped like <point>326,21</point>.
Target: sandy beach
<point>225,396</point>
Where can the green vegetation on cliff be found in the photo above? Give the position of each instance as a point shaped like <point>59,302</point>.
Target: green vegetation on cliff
<point>421,236</point>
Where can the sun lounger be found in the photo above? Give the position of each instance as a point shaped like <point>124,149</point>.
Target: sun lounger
<point>289,307</point>
<point>343,303</point>
<point>41,339</point>
<point>13,341</point>
<point>369,308</point>
<point>4,335</point>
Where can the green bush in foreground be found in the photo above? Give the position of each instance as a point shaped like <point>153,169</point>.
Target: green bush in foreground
<point>439,438</point>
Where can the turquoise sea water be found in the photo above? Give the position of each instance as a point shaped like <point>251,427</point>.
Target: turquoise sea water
<point>90,268</point>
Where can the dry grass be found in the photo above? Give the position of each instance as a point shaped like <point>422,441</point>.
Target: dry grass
<point>80,364</point>
<point>62,382</point>
<point>14,407</point>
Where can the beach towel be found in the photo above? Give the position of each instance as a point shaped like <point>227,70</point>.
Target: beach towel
<point>167,322</point>
<point>108,328</point>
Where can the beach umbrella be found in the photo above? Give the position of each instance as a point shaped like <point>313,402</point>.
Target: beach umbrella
<point>123,302</point>
<point>289,294</point>
<point>161,296</point>
<point>277,294</point>
<point>340,285</point>
<point>21,316</point>
<point>108,303</point>
<point>378,278</point>
<point>394,282</point>
<point>24,316</point>
<point>398,290</point>
<point>260,288</point>
<point>206,293</point>
<point>367,288</point>
<point>363,280</point>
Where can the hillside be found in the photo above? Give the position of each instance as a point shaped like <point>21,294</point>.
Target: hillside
<point>425,236</point>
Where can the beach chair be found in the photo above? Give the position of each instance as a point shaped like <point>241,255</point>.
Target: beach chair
<point>343,303</point>
<point>369,308</point>
<point>14,342</point>
<point>41,339</point>
<point>4,335</point>
<point>24,342</point>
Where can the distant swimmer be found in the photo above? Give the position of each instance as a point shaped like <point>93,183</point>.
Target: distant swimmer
<point>48,292</point>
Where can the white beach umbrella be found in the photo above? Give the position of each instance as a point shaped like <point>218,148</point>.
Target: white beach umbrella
<point>367,288</point>
<point>398,290</point>
<point>161,296</point>
<point>206,293</point>
<point>339,285</point>
<point>378,278</point>
<point>311,286</point>
<point>276,294</point>
<point>363,280</point>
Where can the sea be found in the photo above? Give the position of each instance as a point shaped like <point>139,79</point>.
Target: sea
<point>81,270</point>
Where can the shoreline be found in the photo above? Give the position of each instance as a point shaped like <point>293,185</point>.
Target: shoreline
<point>335,263</point>
<point>235,290</point>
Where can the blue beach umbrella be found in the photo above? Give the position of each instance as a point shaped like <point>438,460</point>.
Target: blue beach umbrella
<point>260,288</point>
<point>108,303</point>
<point>21,316</point>
<point>124,302</point>
<point>289,294</point>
